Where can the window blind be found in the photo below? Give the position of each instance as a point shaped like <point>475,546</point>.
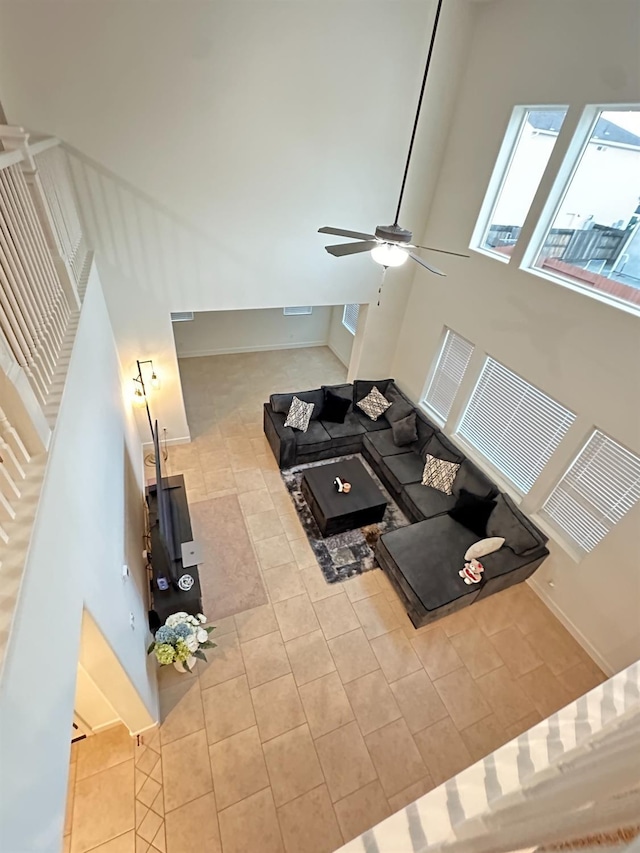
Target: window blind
<point>599,488</point>
<point>181,316</point>
<point>297,309</point>
<point>350,317</point>
<point>515,425</point>
<point>453,360</point>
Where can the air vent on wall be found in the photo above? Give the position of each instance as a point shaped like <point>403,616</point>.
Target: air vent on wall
<point>181,316</point>
<point>299,309</point>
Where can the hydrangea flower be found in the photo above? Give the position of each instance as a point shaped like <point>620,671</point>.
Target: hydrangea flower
<point>183,652</point>
<point>165,634</point>
<point>182,631</point>
<point>165,653</point>
<point>176,619</point>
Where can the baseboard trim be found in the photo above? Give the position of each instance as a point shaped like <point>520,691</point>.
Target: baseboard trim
<point>182,439</point>
<point>145,730</point>
<point>261,348</point>
<point>575,632</point>
<point>104,726</point>
<point>338,355</point>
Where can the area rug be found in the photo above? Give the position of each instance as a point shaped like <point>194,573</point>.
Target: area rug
<point>229,574</point>
<point>345,554</point>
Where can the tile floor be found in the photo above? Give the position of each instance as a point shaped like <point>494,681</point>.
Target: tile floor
<point>323,711</point>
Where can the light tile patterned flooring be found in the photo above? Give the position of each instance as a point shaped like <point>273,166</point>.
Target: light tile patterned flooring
<point>324,710</point>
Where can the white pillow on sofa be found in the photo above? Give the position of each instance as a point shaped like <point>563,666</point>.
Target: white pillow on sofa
<point>299,414</point>
<point>484,547</point>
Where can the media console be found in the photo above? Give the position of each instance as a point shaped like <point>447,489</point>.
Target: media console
<point>164,602</point>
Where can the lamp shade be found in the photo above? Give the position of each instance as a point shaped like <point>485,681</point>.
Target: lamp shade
<point>389,255</point>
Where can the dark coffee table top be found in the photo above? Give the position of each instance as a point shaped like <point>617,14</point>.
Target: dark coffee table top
<point>365,492</point>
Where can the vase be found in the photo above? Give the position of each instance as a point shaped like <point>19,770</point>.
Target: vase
<point>191,662</point>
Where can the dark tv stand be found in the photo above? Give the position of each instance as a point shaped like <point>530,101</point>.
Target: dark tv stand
<point>171,600</point>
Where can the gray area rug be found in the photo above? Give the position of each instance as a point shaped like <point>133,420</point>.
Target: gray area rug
<point>229,574</point>
<point>346,554</point>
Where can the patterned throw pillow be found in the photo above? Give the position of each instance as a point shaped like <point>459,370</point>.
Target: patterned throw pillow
<point>439,474</point>
<point>299,414</point>
<point>374,404</point>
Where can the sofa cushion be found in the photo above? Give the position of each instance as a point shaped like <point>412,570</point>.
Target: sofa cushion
<point>429,555</point>
<point>334,408</point>
<point>425,430</point>
<point>344,390</point>
<point>471,479</point>
<point>442,448</point>
<point>399,408</point>
<point>472,512</point>
<point>315,438</point>
<point>350,427</point>
<point>428,502</point>
<point>507,520</point>
<point>403,469</point>
<point>281,403</point>
<point>369,425</point>
<point>381,444</point>
<point>361,387</point>
<point>405,430</point>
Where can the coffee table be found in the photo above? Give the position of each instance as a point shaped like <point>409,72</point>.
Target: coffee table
<point>335,511</point>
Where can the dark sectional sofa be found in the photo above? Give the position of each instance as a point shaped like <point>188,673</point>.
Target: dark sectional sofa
<point>422,560</point>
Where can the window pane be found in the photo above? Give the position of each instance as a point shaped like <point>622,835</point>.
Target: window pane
<point>599,488</point>
<point>532,148</point>
<point>350,317</point>
<point>448,373</point>
<point>594,240</point>
<point>513,424</point>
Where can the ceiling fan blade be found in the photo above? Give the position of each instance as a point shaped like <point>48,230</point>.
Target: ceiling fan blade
<point>426,265</point>
<point>442,251</point>
<point>351,248</point>
<point>340,232</point>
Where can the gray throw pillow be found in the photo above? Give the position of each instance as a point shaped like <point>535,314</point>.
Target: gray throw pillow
<point>439,447</point>
<point>404,431</point>
<point>503,521</point>
<point>399,408</point>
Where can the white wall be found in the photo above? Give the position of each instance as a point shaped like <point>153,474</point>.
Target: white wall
<point>575,348</point>
<point>89,522</point>
<point>215,139</point>
<point>214,332</point>
<point>340,338</point>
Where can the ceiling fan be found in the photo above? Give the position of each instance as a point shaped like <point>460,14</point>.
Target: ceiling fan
<point>390,245</point>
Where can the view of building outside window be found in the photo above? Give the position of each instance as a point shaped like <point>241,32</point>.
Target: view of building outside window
<point>594,239</point>
<point>537,136</point>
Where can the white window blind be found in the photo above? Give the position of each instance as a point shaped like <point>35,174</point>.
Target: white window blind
<point>294,311</point>
<point>350,317</point>
<point>599,488</point>
<point>515,425</point>
<point>453,360</point>
<point>181,316</point>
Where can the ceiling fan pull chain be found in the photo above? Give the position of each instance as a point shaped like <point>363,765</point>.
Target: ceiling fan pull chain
<point>384,274</point>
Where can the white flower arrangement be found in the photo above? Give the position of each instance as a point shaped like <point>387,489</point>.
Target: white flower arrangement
<point>180,638</point>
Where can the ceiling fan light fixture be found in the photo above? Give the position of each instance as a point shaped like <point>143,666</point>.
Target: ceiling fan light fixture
<point>389,255</point>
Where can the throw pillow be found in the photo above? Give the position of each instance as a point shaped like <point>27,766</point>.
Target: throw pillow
<point>335,408</point>
<point>472,512</point>
<point>399,408</point>
<point>484,547</point>
<point>281,403</point>
<point>441,448</point>
<point>505,521</point>
<point>405,431</point>
<point>299,415</point>
<point>374,404</point>
<point>439,474</point>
